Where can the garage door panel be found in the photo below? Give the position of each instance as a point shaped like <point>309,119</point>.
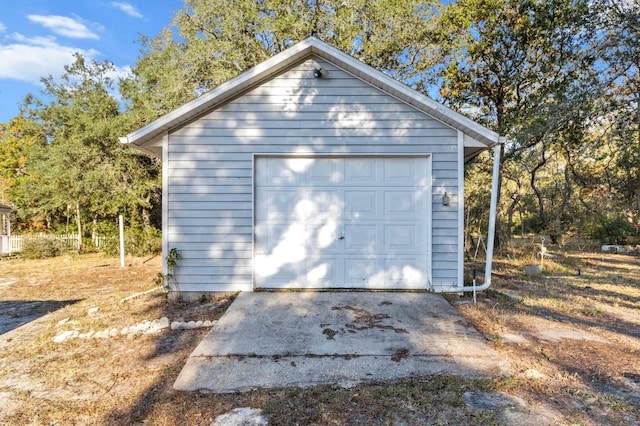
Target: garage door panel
<point>361,171</point>
<point>342,222</point>
<point>358,270</point>
<point>386,272</point>
<point>400,237</point>
<point>274,204</point>
<point>402,170</point>
<point>267,238</point>
<point>321,272</point>
<point>406,272</point>
<point>295,239</point>
<point>402,204</point>
<point>321,204</point>
<point>360,238</point>
<point>326,172</point>
<point>361,204</point>
<point>283,243</point>
<point>405,237</point>
<point>280,171</point>
<point>277,271</point>
<point>303,206</point>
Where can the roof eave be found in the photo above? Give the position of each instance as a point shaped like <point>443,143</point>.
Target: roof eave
<point>407,94</point>
<point>218,95</point>
<point>275,64</point>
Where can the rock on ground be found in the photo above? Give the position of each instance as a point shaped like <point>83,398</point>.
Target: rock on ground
<point>241,417</point>
<point>509,409</point>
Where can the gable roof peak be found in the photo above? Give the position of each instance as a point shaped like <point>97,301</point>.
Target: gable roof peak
<point>144,137</point>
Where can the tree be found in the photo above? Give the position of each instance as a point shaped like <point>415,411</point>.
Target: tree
<point>619,25</point>
<point>18,138</point>
<point>210,42</point>
<point>83,170</point>
<point>517,67</point>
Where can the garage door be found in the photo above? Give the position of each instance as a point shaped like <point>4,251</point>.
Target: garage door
<point>348,222</point>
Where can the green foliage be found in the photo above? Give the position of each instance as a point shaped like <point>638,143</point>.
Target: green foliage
<point>172,259</point>
<point>40,247</point>
<point>83,173</point>
<point>168,280</point>
<point>524,68</point>
<point>612,231</point>
<point>143,241</point>
<point>532,224</point>
<point>18,139</point>
<point>137,242</point>
<point>211,41</point>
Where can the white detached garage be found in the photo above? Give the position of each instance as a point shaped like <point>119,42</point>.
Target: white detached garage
<point>314,170</point>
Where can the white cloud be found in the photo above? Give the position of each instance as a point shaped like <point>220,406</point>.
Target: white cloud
<point>30,58</point>
<point>64,26</point>
<point>120,72</point>
<point>3,27</point>
<point>127,8</point>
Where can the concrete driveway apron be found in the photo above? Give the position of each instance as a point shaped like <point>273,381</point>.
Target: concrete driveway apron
<point>281,339</point>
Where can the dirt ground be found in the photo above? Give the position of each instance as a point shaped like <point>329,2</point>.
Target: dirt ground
<point>572,335</point>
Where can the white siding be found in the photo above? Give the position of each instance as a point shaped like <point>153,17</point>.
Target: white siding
<point>210,183</point>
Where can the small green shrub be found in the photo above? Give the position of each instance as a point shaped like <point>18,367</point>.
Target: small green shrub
<point>140,242</point>
<point>137,242</point>
<point>40,247</point>
<point>612,231</point>
<point>530,224</point>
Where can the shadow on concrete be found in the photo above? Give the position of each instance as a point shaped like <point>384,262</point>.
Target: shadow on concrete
<point>281,339</point>
<point>16,313</point>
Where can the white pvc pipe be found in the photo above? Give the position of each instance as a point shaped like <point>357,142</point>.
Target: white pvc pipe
<point>121,223</point>
<point>493,209</point>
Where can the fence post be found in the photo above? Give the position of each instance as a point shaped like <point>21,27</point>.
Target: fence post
<point>121,222</point>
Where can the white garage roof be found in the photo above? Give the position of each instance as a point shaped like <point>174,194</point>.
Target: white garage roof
<point>476,137</point>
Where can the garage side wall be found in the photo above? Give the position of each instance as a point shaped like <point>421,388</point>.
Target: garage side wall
<point>209,166</point>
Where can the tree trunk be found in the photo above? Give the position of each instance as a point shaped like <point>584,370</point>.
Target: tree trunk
<point>510,212</point>
<point>66,229</point>
<point>638,131</point>
<point>94,235</point>
<point>146,217</point>
<point>536,190</point>
<point>498,241</point>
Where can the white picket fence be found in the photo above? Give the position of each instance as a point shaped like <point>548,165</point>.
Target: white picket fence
<point>69,241</point>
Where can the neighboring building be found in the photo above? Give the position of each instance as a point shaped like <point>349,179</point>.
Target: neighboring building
<point>314,170</point>
<point>5,229</point>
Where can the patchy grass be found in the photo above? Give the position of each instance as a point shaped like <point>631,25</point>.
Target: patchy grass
<point>591,377</point>
<point>593,299</point>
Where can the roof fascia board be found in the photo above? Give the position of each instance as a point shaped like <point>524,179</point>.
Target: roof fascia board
<point>218,95</point>
<point>150,133</point>
<point>470,142</point>
<point>424,103</point>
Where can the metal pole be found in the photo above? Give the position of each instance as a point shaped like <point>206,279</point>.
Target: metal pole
<point>121,222</point>
<point>474,286</point>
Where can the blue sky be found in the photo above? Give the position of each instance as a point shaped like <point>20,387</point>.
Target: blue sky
<point>38,37</point>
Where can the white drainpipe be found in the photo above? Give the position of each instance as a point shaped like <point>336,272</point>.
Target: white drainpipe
<point>492,225</point>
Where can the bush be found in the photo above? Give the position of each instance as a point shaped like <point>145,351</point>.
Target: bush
<point>612,231</point>
<point>531,224</point>
<point>137,242</point>
<point>140,242</point>
<point>40,247</point>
